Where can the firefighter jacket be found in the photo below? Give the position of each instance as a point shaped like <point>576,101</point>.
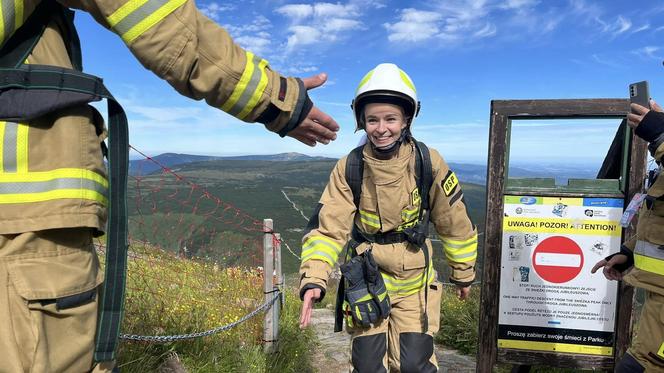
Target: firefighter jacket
<point>390,202</point>
<point>51,170</point>
<point>648,245</point>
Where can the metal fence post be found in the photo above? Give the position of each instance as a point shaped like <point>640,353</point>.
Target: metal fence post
<point>268,284</point>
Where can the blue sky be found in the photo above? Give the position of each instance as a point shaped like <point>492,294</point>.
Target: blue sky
<point>461,54</point>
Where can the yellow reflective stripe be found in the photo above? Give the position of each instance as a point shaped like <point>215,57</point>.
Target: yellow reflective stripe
<point>364,80</point>
<point>2,141</point>
<point>152,20</point>
<point>18,14</point>
<point>370,219</point>
<point>660,352</point>
<point>460,251</point>
<point>22,148</point>
<point>408,215</point>
<point>2,24</point>
<point>409,286</point>
<point>649,264</point>
<point>52,195</point>
<point>321,248</point>
<point>242,84</point>
<point>406,80</point>
<point>459,243</point>
<point>125,10</point>
<point>137,16</point>
<point>60,173</point>
<point>257,93</point>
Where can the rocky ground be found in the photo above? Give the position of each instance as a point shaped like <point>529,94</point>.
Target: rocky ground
<point>332,354</point>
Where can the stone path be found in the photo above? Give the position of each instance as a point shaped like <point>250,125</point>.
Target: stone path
<point>332,353</point>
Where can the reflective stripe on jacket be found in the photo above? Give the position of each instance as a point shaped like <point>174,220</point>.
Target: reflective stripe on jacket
<point>51,170</point>
<point>390,201</point>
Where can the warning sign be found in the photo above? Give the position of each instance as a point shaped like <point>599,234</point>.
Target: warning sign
<point>549,300</point>
<point>558,259</point>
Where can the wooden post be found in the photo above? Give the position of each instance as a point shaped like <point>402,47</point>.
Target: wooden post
<point>268,284</point>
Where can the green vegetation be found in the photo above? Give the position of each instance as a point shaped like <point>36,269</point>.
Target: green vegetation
<point>167,295</point>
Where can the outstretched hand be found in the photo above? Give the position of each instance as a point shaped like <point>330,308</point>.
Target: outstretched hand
<point>609,272</point>
<point>310,296</point>
<point>317,127</point>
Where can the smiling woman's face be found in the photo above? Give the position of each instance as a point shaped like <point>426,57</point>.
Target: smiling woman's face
<point>383,123</point>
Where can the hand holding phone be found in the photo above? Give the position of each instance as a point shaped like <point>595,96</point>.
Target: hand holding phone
<point>639,94</point>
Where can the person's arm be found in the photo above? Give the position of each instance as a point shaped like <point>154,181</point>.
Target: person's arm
<point>325,239</point>
<point>649,125</point>
<point>450,218</point>
<point>200,60</point>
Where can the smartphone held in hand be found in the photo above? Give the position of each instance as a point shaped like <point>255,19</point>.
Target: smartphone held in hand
<point>639,94</point>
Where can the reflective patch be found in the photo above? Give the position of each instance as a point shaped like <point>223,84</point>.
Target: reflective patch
<point>449,183</point>
<point>415,198</point>
<point>660,352</point>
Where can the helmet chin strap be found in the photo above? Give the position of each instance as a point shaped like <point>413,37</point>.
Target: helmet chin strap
<point>386,152</point>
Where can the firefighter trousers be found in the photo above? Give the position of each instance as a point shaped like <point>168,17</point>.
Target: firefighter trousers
<point>398,344</point>
<point>48,301</point>
<point>646,352</point>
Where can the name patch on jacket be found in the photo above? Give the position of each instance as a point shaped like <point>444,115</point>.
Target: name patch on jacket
<point>449,183</point>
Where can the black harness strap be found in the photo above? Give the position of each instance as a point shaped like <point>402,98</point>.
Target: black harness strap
<point>355,173</point>
<point>30,91</point>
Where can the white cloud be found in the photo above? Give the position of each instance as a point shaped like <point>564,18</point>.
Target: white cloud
<point>303,35</point>
<point>296,11</point>
<point>618,27</point>
<point>465,21</point>
<point>642,28</point>
<point>341,24</point>
<point>605,62</point>
<point>415,25</point>
<point>518,4</point>
<point>213,10</point>
<point>320,22</point>
<point>488,30</point>
<point>648,52</point>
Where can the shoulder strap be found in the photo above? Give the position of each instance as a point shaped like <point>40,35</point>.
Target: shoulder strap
<point>23,41</point>
<point>423,171</point>
<point>355,172</point>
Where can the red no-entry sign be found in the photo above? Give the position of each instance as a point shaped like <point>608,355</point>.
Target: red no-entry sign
<point>557,259</point>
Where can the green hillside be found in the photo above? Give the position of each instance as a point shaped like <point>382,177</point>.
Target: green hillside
<point>255,187</point>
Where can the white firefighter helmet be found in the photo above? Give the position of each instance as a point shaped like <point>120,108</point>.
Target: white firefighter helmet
<point>386,83</point>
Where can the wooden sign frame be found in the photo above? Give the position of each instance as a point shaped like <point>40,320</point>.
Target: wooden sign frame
<point>502,113</point>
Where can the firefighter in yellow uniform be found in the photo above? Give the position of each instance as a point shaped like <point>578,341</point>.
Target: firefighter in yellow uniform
<point>640,261</point>
<point>53,182</point>
<point>389,204</point>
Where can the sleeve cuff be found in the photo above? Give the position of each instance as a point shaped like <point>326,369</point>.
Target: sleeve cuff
<point>630,259</point>
<point>306,287</point>
<point>651,127</point>
<point>302,109</point>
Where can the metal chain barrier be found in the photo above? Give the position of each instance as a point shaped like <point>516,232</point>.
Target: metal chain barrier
<point>289,249</point>
<point>294,205</point>
<point>172,338</point>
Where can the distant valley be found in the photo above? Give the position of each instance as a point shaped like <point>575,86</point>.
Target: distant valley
<point>263,186</point>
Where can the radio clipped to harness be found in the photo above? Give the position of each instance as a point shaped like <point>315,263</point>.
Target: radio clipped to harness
<point>362,295</point>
